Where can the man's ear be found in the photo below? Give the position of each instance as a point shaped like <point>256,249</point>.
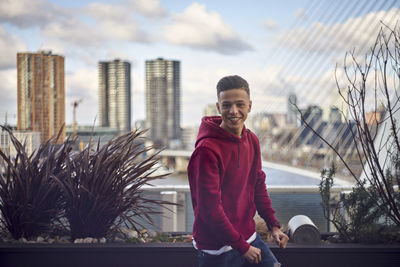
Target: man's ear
<point>250,105</point>
<point>218,108</point>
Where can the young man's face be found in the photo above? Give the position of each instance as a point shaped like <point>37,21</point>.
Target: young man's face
<point>233,105</point>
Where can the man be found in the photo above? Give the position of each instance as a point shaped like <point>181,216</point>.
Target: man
<point>227,185</point>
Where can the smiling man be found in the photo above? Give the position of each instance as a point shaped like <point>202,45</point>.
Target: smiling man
<point>227,186</point>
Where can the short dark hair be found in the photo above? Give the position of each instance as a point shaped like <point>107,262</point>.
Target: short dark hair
<point>232,82</point>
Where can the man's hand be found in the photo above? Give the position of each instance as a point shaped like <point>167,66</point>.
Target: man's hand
<point>253,255</point>
<point>279,237</point>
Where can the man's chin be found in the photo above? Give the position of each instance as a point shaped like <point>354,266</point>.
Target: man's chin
<point>236,128</point>
<point>236,125</point>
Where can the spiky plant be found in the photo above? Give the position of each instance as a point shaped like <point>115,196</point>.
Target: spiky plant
<point>102,187</point>
<point>29,198</point>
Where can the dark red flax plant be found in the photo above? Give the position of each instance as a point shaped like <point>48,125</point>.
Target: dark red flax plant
<point>30,199</point>
<point>102,187</point>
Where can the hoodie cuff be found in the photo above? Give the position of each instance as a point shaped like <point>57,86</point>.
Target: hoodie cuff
<point>242,246</point>
<point>270,225</point>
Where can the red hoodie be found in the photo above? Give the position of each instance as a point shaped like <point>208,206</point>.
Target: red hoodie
<point>227,186</point>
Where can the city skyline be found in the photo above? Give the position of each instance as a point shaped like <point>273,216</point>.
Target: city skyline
<point>280,48</point>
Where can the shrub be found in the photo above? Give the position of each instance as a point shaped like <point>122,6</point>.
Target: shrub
<point>29,198</point>
<point>102,188</point>
<point>357,215</point>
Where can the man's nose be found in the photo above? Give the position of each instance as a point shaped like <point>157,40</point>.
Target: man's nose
<point>233,109</point>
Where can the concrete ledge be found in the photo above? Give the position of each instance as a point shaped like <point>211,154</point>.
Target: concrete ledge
<point>183,254</point>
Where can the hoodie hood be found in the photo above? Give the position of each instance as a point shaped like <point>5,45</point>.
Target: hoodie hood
<point>210,128</point>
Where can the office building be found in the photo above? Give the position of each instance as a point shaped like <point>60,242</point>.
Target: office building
<point>115,95</point>
<point>292,115</point>
<point>31,141</point>
<point>163,101</point>
<point>41,95</point>
<point>335,116</point>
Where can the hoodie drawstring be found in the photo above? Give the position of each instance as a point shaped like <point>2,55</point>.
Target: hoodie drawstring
<point>238,155</point>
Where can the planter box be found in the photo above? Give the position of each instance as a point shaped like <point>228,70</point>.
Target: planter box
<point>339,255</point>
<point>183,254</point>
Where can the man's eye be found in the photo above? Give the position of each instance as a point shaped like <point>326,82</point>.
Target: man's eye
<point>226,106</point>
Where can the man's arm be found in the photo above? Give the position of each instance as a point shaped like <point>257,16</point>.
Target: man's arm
<point>263,202</point>
<point>264,205</point>
<point>204,176</point>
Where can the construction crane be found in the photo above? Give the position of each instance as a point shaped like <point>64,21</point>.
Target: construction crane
<point>74,124</point>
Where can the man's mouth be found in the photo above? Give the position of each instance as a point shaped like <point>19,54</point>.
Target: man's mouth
<point>234,119</point>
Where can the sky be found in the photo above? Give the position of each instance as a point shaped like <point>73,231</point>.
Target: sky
<point>279,47</point>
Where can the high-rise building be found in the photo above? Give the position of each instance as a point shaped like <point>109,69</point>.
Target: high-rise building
<point>163,100</point>
<point>41,95</point>
<point>292,115</point>
<point>115,95</point>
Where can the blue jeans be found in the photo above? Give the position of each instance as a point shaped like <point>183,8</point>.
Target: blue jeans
<point>233,258</point>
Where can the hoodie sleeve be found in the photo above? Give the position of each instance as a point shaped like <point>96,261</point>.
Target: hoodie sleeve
<point>205,182</point>
<point>261,197</point>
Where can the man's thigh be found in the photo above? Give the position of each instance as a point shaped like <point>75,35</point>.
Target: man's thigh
<point>233,258</point>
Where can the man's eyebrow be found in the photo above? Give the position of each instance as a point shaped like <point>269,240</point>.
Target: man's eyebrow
<point>237,101</point>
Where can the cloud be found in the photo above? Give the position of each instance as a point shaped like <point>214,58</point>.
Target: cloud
<point>90,26</point>
<point>9,46</point>
<point>82,34</point>
<point>301,14</point>
<point>358,33</point>
<point>74,32</point>
<point>102,24</point>
<point>28,13</point>
<point>196,28</point>
<point>102,11</point>
<point>149,8</point>
<point>269,24</point>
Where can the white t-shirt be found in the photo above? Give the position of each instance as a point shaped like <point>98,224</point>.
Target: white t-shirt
<point>224,248</point>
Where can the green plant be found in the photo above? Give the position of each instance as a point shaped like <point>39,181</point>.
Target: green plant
<point>102,188</point>
<point>29,198</point>
<point>357,215</point>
